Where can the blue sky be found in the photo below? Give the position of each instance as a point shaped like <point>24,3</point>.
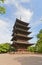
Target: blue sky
<point>29,10</point>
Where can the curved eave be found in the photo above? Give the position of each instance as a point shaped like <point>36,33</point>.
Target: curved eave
<point>21,29</point>
<point>18,24</point>
<point>20,37</point>
<point>21,22</point>
<point>13,34</point>
<point>12,39</point>
<point>20,42</point>
<point>18,29</point>
<point>26,43</point>
<point>28,38</point>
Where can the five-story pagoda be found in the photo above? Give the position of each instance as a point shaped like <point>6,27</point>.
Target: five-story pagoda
<point>20,35</point>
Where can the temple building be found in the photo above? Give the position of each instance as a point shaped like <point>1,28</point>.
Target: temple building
<point>20,36</point>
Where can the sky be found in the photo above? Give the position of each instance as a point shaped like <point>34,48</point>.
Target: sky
<point>30,11</point>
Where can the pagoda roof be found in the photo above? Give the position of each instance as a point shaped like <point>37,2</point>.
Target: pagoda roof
<point>22,26</point>
<point>20,37</point>
<point>21,30</point>
<point>22,22</point>
<point>19,42</point>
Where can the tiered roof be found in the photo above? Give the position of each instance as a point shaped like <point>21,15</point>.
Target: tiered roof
<point>20,31</point>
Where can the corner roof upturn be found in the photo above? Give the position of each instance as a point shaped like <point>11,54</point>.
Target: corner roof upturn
<point>22,22</point>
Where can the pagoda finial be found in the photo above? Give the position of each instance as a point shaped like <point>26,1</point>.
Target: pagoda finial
<point>20,17</point>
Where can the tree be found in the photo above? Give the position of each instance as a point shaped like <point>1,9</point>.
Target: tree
<point>6,47</point>
<point>39,42</point>
<point>2,8</point>
<point>31,48</point>
<point>2,1</point>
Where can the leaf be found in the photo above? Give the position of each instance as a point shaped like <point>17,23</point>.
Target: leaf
<point>2,1</point>
<point>2,10</point>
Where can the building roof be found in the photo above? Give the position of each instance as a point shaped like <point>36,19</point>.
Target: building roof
<point>16,28</point>
<point>18,25</point>
<point>21,37</point>
<point>20,42</point>
<point>21,30</point>
<point>24,23</point>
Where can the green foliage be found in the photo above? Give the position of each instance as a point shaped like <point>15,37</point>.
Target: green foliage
<point>6,47</point>
<point>2,9</point>
<point>39,36</point>
<point>39,42</point>
<point>2,1</point>
<point>38,47</point>
<point>12,48</point>
<point>31,49</point>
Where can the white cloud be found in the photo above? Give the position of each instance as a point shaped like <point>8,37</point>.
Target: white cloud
<point>26,14</point>
<point>35,24</point>
<point>25,0</point>
<point>4,31</point>
<point>12,1</point>
<point>3,23</point>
